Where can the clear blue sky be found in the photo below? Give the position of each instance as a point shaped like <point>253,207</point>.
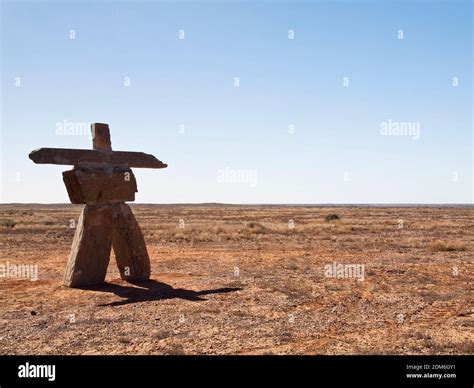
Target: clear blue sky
<point>336,154</point>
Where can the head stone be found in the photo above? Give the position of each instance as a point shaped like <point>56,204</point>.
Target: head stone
<point>101,137</point>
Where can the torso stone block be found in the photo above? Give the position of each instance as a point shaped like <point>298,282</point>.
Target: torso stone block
<point>98,185</point>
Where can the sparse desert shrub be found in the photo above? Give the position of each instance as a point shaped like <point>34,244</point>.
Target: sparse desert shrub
<point>8,223</point>
<point>332,217</point>
<point>256,227</point>
<point>220,230</point>
<point>211,233</point>
<point>444,246</point>
<point>297,288</point>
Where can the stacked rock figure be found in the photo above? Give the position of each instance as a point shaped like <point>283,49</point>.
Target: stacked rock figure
<point>102,180</point>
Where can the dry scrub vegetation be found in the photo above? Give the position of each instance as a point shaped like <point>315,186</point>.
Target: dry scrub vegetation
<point>248,280</point>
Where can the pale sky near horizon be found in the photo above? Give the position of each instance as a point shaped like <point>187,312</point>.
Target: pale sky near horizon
<point>239,111</point>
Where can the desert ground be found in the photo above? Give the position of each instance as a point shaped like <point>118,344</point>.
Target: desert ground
<point>248,280</point>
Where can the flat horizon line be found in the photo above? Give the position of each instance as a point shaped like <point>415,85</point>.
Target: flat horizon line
<point>463,205</point>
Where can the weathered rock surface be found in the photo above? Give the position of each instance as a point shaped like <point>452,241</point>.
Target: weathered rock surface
<point>76,157</point>
<point>98,186</point>
<point>129,245</point>
<point>90,251</point>
<point>101,137</point>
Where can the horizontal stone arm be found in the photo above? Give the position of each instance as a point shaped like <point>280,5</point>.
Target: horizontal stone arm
<point>75,157</point>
